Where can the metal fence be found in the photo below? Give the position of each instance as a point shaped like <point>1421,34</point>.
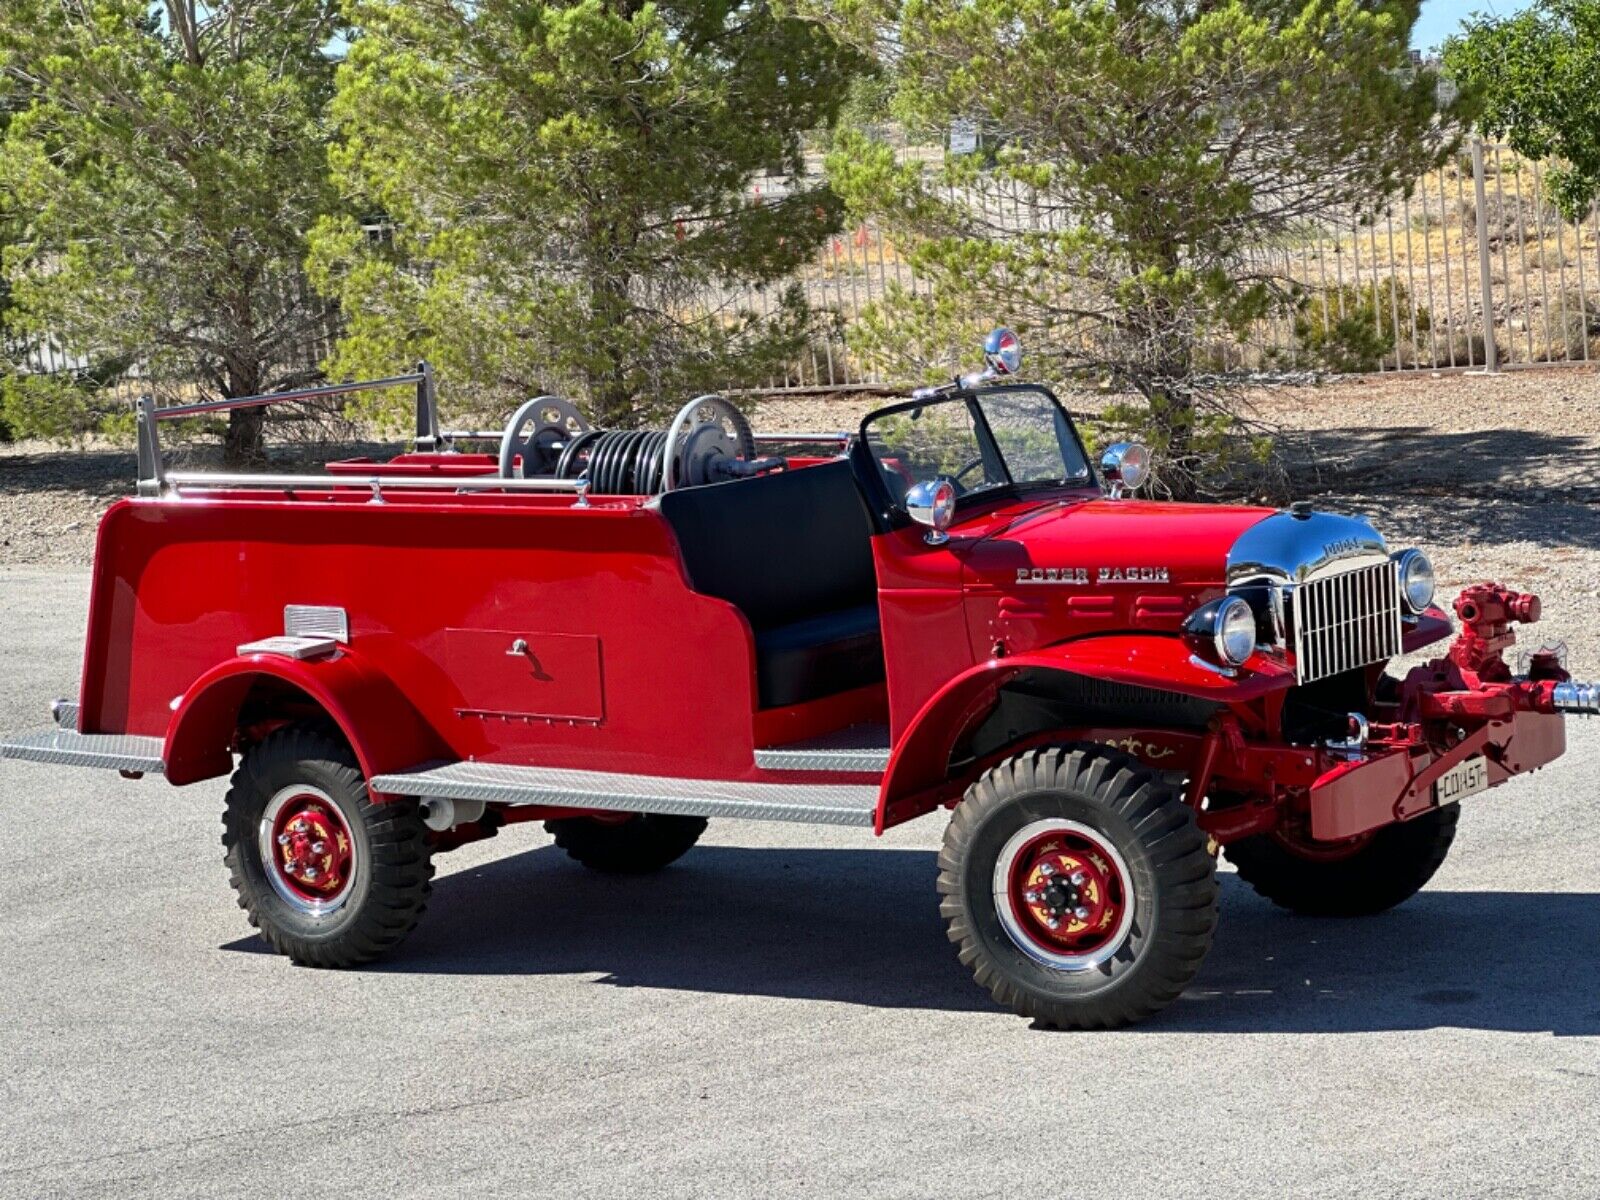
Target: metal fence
<point>1475,268</point>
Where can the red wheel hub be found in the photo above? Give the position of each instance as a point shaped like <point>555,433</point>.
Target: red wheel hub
<point>313,854</point>
<point>1063,894</point>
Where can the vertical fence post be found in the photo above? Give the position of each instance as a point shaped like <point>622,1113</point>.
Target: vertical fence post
<point>1491,357</point>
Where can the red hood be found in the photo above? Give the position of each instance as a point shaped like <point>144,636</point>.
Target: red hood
<point>1138,538</point>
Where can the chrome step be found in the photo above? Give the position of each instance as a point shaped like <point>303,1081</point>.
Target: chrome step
<point>857,748</point>
<point>493,783</point>
<point>68,748</point>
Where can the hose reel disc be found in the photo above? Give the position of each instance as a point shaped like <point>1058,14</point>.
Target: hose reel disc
<point>539,434</point>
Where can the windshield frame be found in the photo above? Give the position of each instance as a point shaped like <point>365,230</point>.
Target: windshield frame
<point>895,515</point>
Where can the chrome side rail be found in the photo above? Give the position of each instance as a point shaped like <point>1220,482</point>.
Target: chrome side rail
<point>153,477</point>
<point>180,481</point>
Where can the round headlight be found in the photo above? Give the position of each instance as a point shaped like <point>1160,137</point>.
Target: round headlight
<point>1416,580</point>
<point>1234,631</point>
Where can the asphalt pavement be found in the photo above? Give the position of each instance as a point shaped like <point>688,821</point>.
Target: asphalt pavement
<point>778,1015</point>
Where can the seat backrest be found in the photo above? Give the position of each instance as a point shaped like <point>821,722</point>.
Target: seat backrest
<point>782,547</point>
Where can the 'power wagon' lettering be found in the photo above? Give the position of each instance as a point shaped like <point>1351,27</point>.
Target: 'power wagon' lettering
<point>1078,576</point>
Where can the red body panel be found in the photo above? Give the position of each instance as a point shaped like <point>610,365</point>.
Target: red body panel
<point>432,588</point>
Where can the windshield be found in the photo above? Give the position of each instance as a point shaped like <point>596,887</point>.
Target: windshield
<point>1000,437</point>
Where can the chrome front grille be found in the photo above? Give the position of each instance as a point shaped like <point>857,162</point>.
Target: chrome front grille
<point>1346,621</point>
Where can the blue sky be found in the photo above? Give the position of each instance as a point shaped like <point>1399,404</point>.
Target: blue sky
<point>1441,18</point>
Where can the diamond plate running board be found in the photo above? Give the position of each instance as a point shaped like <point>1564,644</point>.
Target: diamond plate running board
<point>68,748</point>
<point>829,804</point>
<point>862,748</point>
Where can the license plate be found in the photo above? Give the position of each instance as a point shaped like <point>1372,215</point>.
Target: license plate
<point>1466,778</point>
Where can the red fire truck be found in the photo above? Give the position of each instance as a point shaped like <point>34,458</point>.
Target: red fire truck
<point>625,633</point>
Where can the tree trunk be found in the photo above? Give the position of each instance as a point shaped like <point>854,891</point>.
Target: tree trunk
<point>609,393</point>
<point>245,443</point>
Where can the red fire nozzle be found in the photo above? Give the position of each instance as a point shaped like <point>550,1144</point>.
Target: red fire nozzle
<point>1488,604</point>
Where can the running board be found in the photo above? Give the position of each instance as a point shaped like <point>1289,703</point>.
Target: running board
<point>863,748</point>
<point>68,748</point>
<point>493,783</point>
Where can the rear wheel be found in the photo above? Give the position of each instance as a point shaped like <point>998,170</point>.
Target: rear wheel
<point>1354,878</point>
<point>1077,887</point>
<point>634,845</point>
<point>330,878</point>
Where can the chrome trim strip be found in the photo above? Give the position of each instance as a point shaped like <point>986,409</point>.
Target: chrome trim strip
<point>493,783</point>
<point>66,748</point>
<point>175,411</point>
<point>184,480</point>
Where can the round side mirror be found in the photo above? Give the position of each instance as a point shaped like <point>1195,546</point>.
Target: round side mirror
<point>1002,350</point>
<point>933,503</point>
<point>1125,466</point>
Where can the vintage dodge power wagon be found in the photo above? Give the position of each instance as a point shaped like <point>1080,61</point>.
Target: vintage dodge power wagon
<point>624,633</point>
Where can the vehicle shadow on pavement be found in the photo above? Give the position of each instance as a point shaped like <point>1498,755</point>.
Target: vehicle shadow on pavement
<point>862,927</point>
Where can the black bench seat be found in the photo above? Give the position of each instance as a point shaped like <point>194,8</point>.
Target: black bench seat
<point>793,552</point>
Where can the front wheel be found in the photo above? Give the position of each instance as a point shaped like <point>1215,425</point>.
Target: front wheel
<point>1355,878</point>
<point>330,878</point>
<point>1077,886</point>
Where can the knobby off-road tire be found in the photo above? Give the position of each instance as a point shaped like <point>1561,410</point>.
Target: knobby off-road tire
<point>1128,854</point>
<point>642,844</point>
<point>361,878</point>
<point>1389,866</point>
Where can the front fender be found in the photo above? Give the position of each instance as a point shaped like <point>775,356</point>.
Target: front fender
<point>383,728</point>
<point>917,767</point>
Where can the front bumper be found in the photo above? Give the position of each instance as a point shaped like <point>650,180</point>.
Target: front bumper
<point>1464,705</point>
<point>1396,783</point>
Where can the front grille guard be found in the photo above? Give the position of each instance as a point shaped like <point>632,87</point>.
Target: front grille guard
<point>1344,620</point>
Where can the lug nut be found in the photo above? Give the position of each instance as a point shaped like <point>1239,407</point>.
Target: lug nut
<point>311,872</point>
<point>319,847</point>
<point>283,839</point>
<point>1047,870</point>
<point>1077,878</point>
<point>1031,897</point>
<point>1052,923</point>
<point>1081,913</point>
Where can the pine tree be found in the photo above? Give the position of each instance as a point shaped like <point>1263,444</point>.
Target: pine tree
<point>1153,145</point>
<point>558,197</point>
<point>166,162</point>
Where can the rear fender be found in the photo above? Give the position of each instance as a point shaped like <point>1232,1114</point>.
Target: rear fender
<point>383,728</point>
<point>916,779</point>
